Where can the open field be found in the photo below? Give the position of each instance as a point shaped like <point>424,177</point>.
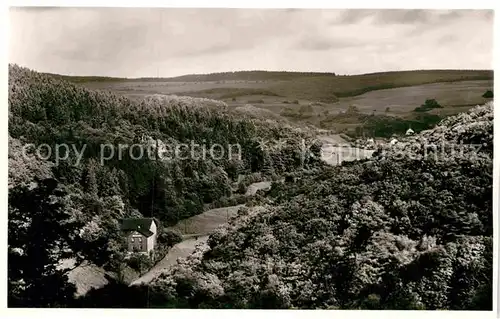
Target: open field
<point>401,91</point>
<point>317,99</point>
<point>206,222</point>
<point>195,89</point>
<point>328,88</point>
<point>293,85</point>
<point>399,100</point>
<point>405,99</point>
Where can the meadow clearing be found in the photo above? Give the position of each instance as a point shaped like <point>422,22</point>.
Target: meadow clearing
<point>321,101</point>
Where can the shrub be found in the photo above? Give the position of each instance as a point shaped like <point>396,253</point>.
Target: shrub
<point>488,94</point>
<point>428,105</point>
<point>242,187</point>
<point>170,237</point>
<point>139,262</point>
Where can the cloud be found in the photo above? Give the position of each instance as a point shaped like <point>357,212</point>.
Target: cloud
<point>405,16</point>
<point>321,43</point>
<point>210,50</point>
<point>389,16</point>
<point>448,38</point>
<point>135,42</point>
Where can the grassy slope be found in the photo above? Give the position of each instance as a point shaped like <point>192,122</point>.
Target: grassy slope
<point>310,86</point>
<point>328,88</point>
<point>401,91</point>
<point>405,99</point>
<point>228,93</point>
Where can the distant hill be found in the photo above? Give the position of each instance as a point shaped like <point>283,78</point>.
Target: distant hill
<point>328,89</point>
<point>84,79</point>
<point>211,77</point>
<point>244,76</point>
<point>311,86</point>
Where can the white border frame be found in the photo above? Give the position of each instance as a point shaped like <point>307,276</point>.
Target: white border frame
<point>242,314</point>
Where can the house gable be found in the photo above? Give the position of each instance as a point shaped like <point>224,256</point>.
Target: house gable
<point>153,227</point>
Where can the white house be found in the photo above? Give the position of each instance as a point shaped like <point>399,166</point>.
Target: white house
<point>141,234</point>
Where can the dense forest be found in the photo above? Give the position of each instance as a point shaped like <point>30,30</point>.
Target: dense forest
<point>74,199</point>
<point>410,228</point>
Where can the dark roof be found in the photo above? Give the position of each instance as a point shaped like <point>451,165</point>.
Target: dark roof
<point>140,225</point>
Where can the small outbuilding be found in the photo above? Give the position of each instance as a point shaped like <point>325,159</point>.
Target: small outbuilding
<point>410,131</point>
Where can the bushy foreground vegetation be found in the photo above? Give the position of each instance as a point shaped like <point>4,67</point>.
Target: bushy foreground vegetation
<point>410,228</point>
<point>79,211</point>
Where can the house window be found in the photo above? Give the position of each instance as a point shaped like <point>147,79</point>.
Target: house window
<point>132,240</point>
<point>140,239</point>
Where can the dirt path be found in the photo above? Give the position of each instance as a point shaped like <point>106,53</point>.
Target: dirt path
<point>88,276</point>
<point>181,250</point>
<point>210,220</point>
<point>202,224</point>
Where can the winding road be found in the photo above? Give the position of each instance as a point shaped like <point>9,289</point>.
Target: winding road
<point>202,225</point>
<point>182,249</point>
<point>197,229</point>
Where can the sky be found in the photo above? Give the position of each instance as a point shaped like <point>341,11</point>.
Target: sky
<point>150,42</point>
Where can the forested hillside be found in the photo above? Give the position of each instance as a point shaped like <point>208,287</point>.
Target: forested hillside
<point>67,205</point>
<point>410,228</point>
